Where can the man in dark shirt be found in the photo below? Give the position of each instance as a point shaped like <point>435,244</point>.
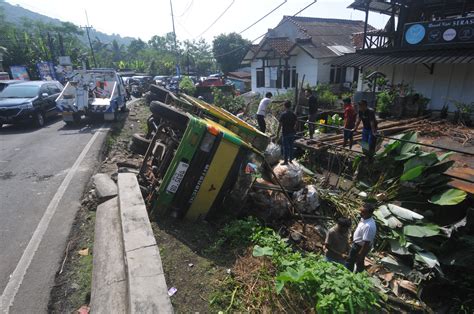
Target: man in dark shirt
<point>287,125</point>
<point>313,110</point>
<point>369,122</point>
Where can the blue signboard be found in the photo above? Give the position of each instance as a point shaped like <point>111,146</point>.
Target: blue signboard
<point>442,32</point>
<point>46,71</point>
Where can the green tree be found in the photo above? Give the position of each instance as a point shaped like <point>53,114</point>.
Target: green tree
<point>187,86</point>
<point>229,49</point>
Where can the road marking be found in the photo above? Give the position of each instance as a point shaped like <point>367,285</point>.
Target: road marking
<point>16,278</point>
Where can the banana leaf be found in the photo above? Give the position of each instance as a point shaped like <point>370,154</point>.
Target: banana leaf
<point>397,248</point>
<point>421,231</point>
<point>404,213</point>
<point>449,197</point>
<point>412,173</point>
<point>428,258</point>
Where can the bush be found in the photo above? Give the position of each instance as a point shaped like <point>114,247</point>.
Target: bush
<point>330,286</point>
<point>187,86</point>
<point>325,95</point>
<point>229,103</point>
<point>384,100</point>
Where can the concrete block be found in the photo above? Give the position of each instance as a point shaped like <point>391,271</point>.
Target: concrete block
<point>147,289</point>
<point>105,186</point>
<point>109,278</point>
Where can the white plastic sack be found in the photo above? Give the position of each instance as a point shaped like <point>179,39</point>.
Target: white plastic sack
<point>273,153</point>
<point>290,176</point>
<point>307,199</point>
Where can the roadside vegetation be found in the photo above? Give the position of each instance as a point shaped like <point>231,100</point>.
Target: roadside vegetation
<point>274,276</point>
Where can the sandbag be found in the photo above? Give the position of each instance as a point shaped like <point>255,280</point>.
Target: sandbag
<point>307,199</point>
<point>273,153</point>
<point>290,176</point>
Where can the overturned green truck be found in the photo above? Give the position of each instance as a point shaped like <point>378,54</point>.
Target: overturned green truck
<point>200,160</point>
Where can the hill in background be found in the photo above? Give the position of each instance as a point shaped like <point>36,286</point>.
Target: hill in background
<point>15,14</point>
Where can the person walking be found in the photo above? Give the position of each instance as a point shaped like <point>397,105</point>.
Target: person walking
<point>362,239</point>
<point>287,125</point>
<point>262,111</point>
<point>350,117</point>
<point>312,110</point>
<point>336,245</point>
<point>369,122</point>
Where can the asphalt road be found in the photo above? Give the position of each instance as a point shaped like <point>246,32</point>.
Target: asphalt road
<point>43,174</point>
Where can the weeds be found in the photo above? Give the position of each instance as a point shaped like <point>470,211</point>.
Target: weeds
<point>272,276</point>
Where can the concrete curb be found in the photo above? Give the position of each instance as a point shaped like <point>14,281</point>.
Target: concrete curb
<point>147,289</point>
<point>108,273</point>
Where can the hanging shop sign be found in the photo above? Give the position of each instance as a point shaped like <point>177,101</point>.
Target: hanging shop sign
<point>442,32</point>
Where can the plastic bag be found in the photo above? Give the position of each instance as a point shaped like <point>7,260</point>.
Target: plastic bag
<point>273,153</point>
<point>307,199</point>
<point>290,176</point>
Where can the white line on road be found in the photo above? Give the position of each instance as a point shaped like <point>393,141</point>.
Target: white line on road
<point>16,278</point>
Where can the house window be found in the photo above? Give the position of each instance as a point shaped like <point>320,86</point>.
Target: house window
<point>337,75</point>
<point>261,77</point>
<point>286,78</point>
<point>293,77</point>
<point>279,80</point>
<point>273,77</point>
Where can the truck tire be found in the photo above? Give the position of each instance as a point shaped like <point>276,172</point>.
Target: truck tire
<point>169,114</point>
<point>139,144</point>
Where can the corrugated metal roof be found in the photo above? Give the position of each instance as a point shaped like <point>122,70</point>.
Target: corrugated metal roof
<point>367,58</point>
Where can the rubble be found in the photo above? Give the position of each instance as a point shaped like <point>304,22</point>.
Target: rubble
<point>105,187</point>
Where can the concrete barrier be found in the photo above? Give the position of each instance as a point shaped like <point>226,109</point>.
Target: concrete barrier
<point>109,286</point>
<point>147,290</point>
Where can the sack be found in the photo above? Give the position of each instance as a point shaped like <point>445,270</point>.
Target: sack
<point>290,176</point>
<point>273,153</point>
<point>307,199</point>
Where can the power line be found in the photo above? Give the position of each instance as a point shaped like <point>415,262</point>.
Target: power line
<point>218,18</point>
<point>186,10</point>
<point>264,16</point>
<point>247,46</point>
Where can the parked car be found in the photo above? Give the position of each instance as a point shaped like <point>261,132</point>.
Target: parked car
<point>31,101</point>
<point>161,80</point>
<point>5,83</point>
<point>212,81</point>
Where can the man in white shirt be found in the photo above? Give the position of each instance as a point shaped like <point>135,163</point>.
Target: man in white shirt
<point>363,239</point>
<point>262,111</point>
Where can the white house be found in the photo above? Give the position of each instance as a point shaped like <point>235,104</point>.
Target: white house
<point>302,47</point>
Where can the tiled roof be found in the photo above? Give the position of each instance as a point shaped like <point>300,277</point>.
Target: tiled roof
<point>281,45</point>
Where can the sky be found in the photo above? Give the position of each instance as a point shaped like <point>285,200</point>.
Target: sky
<point>193,18</point>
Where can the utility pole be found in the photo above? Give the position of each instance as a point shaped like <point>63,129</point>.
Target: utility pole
<point>175,44</point>
<point>88,27</point>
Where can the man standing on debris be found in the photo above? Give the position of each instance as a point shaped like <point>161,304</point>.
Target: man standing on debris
<point>287,125</point>
<point>312,110</point>
<point>369,122</point>
<point>349,121</point>
<point>336,245</point>
<point>262,111</point>
<point>363,239</point>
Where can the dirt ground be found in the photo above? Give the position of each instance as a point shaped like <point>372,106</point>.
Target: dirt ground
<point>190,263</point>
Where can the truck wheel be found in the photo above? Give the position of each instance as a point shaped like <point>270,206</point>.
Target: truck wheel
<point>39,119</point>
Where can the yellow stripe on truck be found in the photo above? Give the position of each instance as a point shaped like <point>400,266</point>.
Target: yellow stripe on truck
<point>214,179</point>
